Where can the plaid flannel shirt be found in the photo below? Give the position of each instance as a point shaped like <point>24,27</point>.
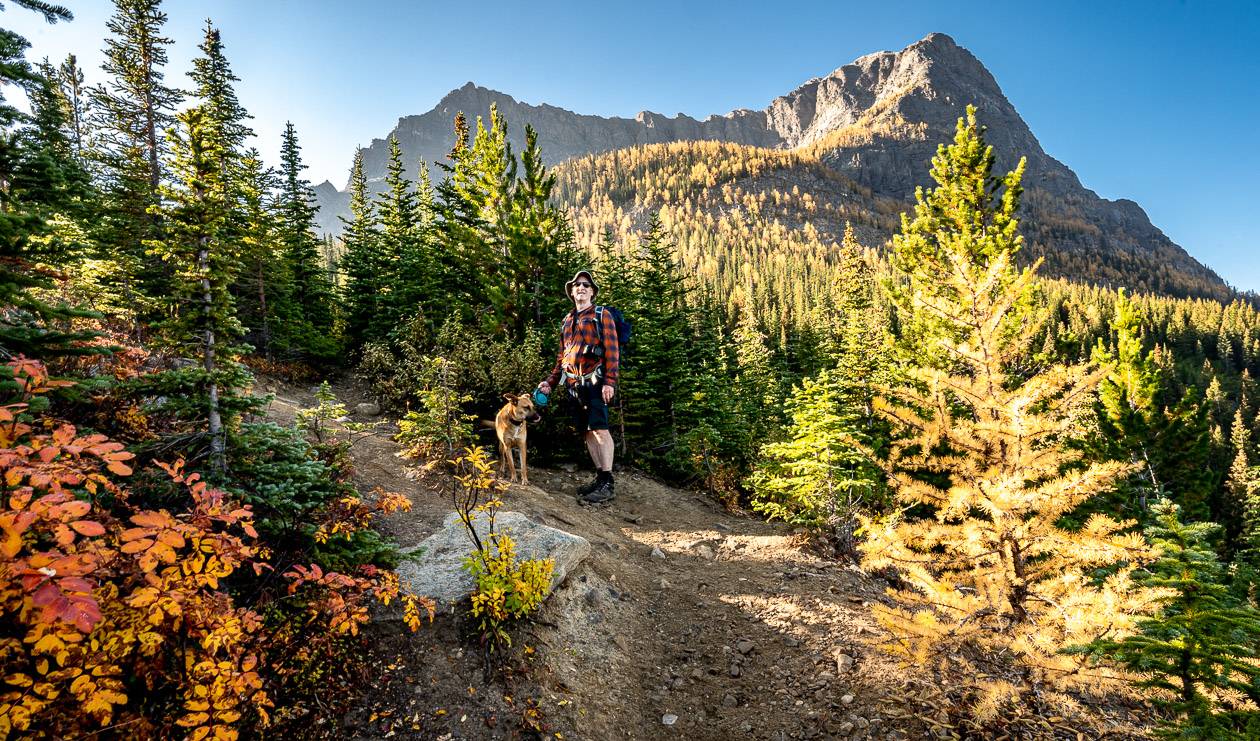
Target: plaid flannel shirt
<point>579,331</point>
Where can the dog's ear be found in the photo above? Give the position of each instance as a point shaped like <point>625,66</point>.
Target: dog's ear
<point>510,397</point>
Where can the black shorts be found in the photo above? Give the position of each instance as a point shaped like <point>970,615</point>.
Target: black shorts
<point>587,408</point>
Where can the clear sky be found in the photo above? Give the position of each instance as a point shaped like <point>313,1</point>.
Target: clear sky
<point>1153,100</point>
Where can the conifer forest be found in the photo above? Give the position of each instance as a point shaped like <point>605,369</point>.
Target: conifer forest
<point>1047,486</point>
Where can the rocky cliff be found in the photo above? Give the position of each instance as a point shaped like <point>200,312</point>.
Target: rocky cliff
<point>877,120</point>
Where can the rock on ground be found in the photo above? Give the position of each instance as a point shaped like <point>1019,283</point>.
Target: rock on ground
<point>439,572</point>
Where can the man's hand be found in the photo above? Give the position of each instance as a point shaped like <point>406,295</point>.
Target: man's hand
<point>608,392</point>
<point>545,388</point>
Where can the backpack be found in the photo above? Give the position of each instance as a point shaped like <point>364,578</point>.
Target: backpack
<point>624,329</point>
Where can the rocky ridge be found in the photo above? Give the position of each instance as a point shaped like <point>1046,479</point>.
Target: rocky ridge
<point>877,120</point>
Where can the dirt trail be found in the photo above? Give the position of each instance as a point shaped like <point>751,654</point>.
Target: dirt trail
<point>686,621</point>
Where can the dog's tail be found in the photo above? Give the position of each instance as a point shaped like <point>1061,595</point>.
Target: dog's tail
<point>487,423</point>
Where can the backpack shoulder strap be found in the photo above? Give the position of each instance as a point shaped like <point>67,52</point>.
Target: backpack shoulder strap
<point>599,320</point>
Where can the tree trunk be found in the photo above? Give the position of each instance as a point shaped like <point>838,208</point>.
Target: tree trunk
<point>218,446</point>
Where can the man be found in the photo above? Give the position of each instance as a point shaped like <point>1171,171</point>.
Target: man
<point>588,362</point>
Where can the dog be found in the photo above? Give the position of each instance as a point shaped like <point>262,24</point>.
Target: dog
<point>510,426</point>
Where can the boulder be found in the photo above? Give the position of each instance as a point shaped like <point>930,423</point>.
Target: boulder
<point>439,572</point>
<point>367,409</point>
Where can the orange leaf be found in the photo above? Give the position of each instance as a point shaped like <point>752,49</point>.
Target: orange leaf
<point>88,528</point>
<point>150,518</point>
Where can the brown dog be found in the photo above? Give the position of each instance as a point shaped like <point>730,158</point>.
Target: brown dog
<point>510,426</point>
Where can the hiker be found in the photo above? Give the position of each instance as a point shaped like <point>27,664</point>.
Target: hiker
<point>588,361</point>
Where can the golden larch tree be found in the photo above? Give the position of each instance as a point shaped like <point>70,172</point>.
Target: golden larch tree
<point>992,583</point>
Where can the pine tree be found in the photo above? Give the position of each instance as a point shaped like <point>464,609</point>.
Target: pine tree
<point>262,288</point>
<point>70,83</point>
<point>992,581</point>
<point>1127,409</point>
<point>757,390</point>
<point>400,238</point>
<point>43,191</point>
<point>202,320</point>
<point>818,476</point>
<point>659,375</point>
<point>363,264</point>
<point>213,84</point>
<point>1240,480</point>
<point>133,109</point>
<point>538,247</point>
<point>1202,648</point>
<point>473,201</point>
<point>310,305</point>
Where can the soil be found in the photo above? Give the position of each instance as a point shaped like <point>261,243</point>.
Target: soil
<point>686,621</point>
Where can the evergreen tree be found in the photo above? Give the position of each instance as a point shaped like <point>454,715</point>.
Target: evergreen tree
<point>74,94</point>
<point>262,288</point>
<point>134,107</point>
<point>757,389</point>
<point>43,187</point>
<point>363,264</point>
<point>992,581</point>
<point>1202,648</point>
<point>538,247</point>
<point>819,476</point>
<point>202,321</point>
<point>400,236</point>
<point>1239,482</point>
<point>213,82</point>
<point>309,309</point>
<point>1130,421</point>
<point>472,201</point>
<point>659,376</point>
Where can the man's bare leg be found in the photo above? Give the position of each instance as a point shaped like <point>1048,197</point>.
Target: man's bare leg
<point>599,444</point>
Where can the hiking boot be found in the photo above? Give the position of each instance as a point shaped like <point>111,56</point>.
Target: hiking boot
<point>589,487</point>
<point>602,493</point>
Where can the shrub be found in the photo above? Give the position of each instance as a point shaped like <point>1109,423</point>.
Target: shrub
<point>507,589</point>
<point>440,426</point>
<point>155,619</point>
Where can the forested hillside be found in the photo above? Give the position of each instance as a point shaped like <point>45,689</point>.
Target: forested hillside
<point>876,121</point>
<point>1046,485</point>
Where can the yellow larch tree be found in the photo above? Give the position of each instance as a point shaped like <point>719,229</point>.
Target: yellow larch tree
<point>992,584</point>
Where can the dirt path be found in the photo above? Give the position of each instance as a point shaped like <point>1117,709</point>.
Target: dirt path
<point>685,621</point>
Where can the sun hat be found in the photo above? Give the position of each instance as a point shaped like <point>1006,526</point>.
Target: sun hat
<point>568,287</point>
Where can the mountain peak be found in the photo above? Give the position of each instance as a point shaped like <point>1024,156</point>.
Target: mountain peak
<point>876,120</point>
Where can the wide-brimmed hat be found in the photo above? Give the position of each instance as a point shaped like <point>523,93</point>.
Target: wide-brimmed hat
<point>568,287</point>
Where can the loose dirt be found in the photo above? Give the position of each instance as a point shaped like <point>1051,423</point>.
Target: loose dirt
<point>686,621</point>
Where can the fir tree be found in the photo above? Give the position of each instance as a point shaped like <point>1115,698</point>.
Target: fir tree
<point>992,581</point>
<point>310,306</point>
<point>70,83</point>
<point>202,315</point>
<point>213,84</point>
<point>659,375</point>
<point>538,246</point>
<point>262,287</point>
<point>133,110</point>
<point>43,186</point>
<point>1240,480</point>
<point>757,389</point>
<point>472,202</point>
<point>1166,445</point>
<point>818,476</point>
<point>400,237</point>
<point>1201,650</point>
<point>363,264</point>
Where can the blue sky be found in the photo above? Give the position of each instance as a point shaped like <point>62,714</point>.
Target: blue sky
<point>1157,101</point>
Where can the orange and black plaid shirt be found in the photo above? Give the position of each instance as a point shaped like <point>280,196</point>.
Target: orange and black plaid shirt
<point>577,334</point>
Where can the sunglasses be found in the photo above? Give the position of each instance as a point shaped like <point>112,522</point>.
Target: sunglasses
<point>582,285</point>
